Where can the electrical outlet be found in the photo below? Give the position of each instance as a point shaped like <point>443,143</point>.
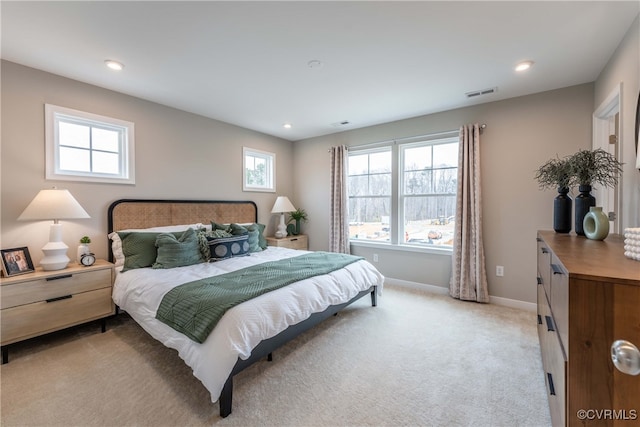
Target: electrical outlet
<point>499,270</point>
<point>375,257</point>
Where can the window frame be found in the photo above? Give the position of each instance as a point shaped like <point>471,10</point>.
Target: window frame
<point>396,222</point>
<point>270,172</point>
<point>402,195</point>
<point>55,114</point>
<point>369,174</point>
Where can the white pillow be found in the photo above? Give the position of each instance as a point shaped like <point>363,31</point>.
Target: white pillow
<point>116,243</point>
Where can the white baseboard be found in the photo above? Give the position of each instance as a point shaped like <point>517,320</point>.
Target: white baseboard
<point>507,302</point>
<point>415,285</point>
<point>514,303</point>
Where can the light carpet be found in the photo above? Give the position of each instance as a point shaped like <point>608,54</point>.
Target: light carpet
<point>418,359</point>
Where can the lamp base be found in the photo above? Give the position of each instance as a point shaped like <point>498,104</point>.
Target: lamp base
<point>55,252</point>
<point>54,263</point>
<point>282,228</point>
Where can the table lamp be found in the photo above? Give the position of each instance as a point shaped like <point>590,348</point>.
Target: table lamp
<point>55,204</point>
<point>281,206</point>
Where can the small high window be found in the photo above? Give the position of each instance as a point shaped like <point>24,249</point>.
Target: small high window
<point>259,170</point>
<point>87,147</point>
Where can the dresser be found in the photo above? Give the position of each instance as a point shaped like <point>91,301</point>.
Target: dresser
<point>292,242</point>
<point>588,297</point>
<point>37,303</point>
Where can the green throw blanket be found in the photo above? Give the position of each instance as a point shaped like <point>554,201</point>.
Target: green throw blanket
<point>195,308</point>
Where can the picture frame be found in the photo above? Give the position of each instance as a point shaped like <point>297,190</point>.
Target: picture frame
<point>16,261</point>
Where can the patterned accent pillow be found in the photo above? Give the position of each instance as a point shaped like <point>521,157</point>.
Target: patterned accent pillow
<point>178,251</point>
<point>257,241</point>
<point>227,247</point>
<point>203,240</point>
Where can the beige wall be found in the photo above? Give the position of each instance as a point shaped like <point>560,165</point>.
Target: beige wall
<point>624,67</point>
<point>182,155</point>
<point>178,155</point>
<point>521,134</point>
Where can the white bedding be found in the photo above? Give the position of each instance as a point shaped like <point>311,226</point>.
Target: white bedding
<point>140,291</point>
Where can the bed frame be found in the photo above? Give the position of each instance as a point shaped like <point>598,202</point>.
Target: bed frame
<point>141,213</point>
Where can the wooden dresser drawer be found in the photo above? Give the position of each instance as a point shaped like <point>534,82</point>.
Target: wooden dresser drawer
<point>559,299</point>
<point>27,292</point>
<point>553,360</point>
<point>555,378</point>
<point>26,321</point>
<point>543,313</point>
<point>544,261</point>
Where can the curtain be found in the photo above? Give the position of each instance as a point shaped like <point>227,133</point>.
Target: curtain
<point>339,227</point>
<point>468,272</point>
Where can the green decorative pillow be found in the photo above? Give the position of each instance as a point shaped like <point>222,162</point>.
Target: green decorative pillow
<point>262,241</point>
<point>178,251</point>
<point>224,227</point>
<point>254,238</point>
<point>237,229</point>
<point>139,249</point>
<point>253,231</point>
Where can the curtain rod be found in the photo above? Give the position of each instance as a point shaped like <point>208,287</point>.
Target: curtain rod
<point>482,127</point>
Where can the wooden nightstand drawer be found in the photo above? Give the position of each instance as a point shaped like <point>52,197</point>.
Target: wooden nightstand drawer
<point>40,302</point>
<point>292,242</point>
<point>54,286</point>
<point>26,321</point>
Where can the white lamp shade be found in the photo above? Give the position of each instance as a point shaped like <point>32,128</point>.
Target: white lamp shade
<point>53,204</point>
<point>282,204</point>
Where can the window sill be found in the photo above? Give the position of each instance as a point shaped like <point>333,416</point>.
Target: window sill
<point>447,251</point>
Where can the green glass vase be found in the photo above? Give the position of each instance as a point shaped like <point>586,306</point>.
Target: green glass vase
<point>596,224</point>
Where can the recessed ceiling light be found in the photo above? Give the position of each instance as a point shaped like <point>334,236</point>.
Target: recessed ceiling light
<point>287,125</point>
<point>114,65</point>
<point>524,65</point>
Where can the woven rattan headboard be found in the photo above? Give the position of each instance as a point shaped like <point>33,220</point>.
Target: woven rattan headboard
<point>132,213</point>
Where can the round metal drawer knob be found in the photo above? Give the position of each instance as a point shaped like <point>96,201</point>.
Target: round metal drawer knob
<point>626,357</point>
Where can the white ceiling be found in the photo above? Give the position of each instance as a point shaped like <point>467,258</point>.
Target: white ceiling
<point>246,63</point>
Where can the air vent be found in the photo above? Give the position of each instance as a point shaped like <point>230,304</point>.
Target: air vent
<point>341,124</point>
<point>476,93</point>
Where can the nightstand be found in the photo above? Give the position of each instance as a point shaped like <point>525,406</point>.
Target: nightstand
<point>37,303</point>
<point>292,242</point>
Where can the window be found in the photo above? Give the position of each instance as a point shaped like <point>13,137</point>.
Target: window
<point>87,147</point>
<point>404,194</point>
<point>428,191</point>
<point>259,170</point>
<point>370,195</point>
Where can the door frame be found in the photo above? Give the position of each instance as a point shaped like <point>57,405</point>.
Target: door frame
<point>602,118</point>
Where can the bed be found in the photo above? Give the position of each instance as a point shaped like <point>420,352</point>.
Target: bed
<point>247,332</point>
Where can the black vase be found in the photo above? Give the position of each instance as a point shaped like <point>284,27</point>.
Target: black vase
<point>584,201</point>
<point>562,211</point>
